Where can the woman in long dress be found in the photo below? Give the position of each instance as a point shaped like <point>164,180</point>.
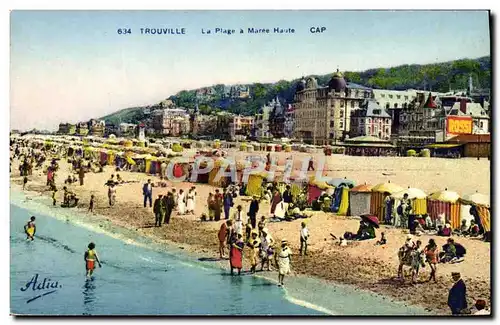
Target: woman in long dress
<point>236,254</point>
<point>283,261</point>
<point>275,200</point>
<point>181,202</point>
<point>190,202</point>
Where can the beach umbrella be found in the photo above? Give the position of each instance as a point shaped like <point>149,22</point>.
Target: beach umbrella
<point>413,193</point>
<point>445,196</point>
<point>387,187</point>
<point>371,219</point>
<point>362,188</point>
<point>477,198</point>
<point>336,182</point>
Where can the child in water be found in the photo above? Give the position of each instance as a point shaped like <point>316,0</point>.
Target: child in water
<point>30,229</point>
<point>90,259</point>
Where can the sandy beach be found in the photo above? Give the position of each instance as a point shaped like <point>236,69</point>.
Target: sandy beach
<point>361,263</point>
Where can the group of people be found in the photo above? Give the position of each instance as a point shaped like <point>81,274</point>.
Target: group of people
<point>260,244</point>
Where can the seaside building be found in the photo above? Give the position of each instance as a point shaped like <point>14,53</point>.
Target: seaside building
<point>67,128</point>
<point>241,126</point>
<point>323,113</point>
<point>289,121</point>
<point>262,123</point>
<point>371,120</point>
<point>96,127</point>
<point>127,129</point>
<point>82,129</point>
<point>277,119</point>
<point>171,122</point>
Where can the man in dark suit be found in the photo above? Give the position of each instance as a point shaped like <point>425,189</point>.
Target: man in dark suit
<point>159,210</point>
<point>147,192</point>
<point>169,204</point>
<point>457,298</point>
<point>252,213</point>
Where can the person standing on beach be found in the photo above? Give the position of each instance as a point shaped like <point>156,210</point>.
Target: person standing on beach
<point>431,256</point>
<point>252,212</point>
<point>112,194</point>
<point>266,253</point>
<point>147,192</point>
<point>283,260</point>
<point>275,200</point>
<point>217,205</point>
<point>304,236</point>
<point>81,175</point>
<point>227,202</point>
<point>223,235</point>
<point>54,190</point>
<point>169,207</point>
<point>181,202</point>
<point>30,229</point>
<point>25,181</point>
<point>236,254</point>
<point>174,195</point>
<point>91,205</point>
<point>90,258</point>
<point>238,222</point>
<point>158,210</point>
<point>457,297</point>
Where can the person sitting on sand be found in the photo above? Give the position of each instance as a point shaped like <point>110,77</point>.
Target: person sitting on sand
<point>473,230</point>
<point>382,240</point>
<point>449,252</point>
<point>480,307</point>
<point>30,229</point>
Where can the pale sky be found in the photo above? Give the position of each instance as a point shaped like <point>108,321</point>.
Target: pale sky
<point>69,66</point>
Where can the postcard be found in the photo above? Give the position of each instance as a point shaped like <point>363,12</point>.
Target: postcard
<point>246,163</point>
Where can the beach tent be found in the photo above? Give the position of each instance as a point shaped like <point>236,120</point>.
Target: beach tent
<point>254,185</point>
<point>470,200</point>
<point>341,181</point>
<point>418,199</point>
<point>377,203</point>
<point>484,216</point>
<point>340,202</point>
<point>315,188</point>
<point>359,199</point>
<point>445,203</point>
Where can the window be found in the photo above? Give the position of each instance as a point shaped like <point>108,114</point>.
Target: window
<point>341,124</point>
<point>342,103</point>
<point>481,124</point>
<point>406,97</point>
<point>331,135</point>
<point>382,95</point>
<point>386,131</point>
<point>341,114</point>
<point>390,96</point>
<point>398,96</point>
<point>368,120</point>
<point>395,105</point>
<point>331,124</point>
<point>387,105</point>
<point>362,120</point>
<point>352,104</point>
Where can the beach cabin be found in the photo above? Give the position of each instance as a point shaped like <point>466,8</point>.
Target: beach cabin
<point>377,200</point>
<point>418,200</point>
<point>445,203</point>
<point>359,199</point>
<point>469,201</point>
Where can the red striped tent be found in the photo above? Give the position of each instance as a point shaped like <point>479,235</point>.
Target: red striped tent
<point>447,203</point>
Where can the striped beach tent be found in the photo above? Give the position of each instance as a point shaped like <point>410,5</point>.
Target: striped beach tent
<point>377,203</point>
<point>445,203</point>
<point>484,215</point>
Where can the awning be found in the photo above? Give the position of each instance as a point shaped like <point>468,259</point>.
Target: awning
<point>443,145</point>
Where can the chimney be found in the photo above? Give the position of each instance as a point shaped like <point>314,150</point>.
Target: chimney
<point>463,105</point>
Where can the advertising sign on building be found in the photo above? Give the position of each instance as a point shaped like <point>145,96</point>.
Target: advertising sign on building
<point>459,125</point>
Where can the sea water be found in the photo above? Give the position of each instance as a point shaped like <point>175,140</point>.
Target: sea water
<point>139,277</point>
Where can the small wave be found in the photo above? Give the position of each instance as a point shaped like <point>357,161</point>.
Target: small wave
<point>308,305</point>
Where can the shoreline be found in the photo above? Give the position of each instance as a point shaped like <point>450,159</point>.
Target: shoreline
<point>297,285</point>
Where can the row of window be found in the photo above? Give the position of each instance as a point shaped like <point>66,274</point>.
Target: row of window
<point>397,96</point>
